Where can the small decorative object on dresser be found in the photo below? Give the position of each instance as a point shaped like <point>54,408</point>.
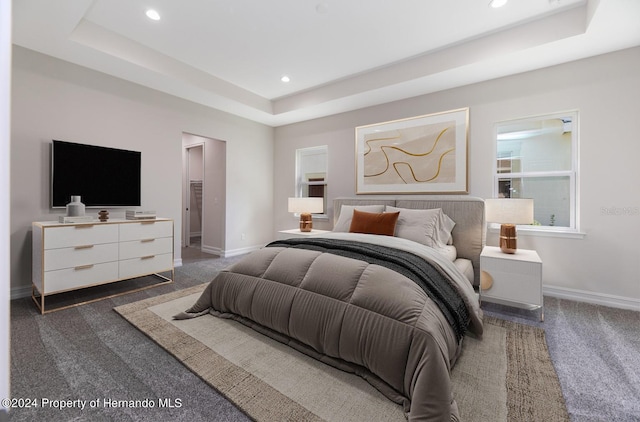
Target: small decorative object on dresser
<point>511,279</point>
<point>140,215</point>
<point>103,215</point>
<point>75,208</point>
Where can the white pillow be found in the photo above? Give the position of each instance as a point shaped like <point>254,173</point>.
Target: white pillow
<point>430,227</point>
<point>346,214</point>
<point>448,251</point>
<point>446,228</point>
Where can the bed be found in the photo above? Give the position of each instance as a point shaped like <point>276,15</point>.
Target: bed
<point>388,294</point>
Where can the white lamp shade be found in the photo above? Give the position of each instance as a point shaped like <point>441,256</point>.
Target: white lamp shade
<point>306,205</point>
<point>509,210</point>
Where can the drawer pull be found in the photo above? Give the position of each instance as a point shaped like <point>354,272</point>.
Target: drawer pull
<point>83,247</point>
<point>147,240</point>
<point>148,222</point>
<point>486,281</point>
<point>148,257</point>
<point>83,267</point>
<point>83,226</point>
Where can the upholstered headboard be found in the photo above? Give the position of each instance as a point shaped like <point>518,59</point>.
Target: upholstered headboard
<point>467,211</point>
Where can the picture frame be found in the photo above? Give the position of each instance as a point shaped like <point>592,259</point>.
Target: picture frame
<point>418,155</point>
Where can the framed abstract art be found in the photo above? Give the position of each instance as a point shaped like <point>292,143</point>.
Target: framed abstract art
<point>417,155</point>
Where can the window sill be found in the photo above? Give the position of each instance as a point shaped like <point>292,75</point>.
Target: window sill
<point>542,231</point>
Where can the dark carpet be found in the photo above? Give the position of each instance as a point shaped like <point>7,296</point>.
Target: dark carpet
<point>90,354</point>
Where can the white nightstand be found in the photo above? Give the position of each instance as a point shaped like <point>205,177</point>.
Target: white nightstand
<point>516,278</point>
<point>288,234</point>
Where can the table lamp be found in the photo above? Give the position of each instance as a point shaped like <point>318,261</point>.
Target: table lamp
<point>306,206</point>
<point>508,212</point>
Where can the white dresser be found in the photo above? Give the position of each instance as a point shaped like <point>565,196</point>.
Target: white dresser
<point>78,255</point>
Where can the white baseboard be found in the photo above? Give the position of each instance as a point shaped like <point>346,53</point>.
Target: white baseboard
<point>229,253</point>
<point>591,297</point>
<point>240,251</point>
<point>211,250</point>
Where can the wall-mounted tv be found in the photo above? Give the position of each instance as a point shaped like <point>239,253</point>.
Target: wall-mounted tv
<point>103,177</point>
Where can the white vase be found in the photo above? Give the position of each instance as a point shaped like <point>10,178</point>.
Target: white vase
<point>75,208</point>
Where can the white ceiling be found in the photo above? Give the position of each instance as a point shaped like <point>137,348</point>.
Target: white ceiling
<point>340,54</point>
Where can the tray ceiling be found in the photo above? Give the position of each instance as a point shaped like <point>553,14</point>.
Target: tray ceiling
<point>339,55</point>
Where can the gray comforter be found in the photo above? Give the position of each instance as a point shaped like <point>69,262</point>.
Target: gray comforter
<point>399,326</point>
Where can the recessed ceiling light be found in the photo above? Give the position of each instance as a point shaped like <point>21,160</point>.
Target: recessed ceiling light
<point>497,3</point>
<point>285,78</point>
<point>153,15</point>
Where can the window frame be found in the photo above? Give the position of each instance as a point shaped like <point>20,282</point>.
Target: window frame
<point>301,183</point>
<point>573,174</point>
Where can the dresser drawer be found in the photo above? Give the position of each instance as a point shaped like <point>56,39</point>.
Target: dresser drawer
<point>56,259</point>
<point>146,247</point>
<point>79,235</point>
<point>141,230</point>
<point>136,267</point>
<point>82,276</point>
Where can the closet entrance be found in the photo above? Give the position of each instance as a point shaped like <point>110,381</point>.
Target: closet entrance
<point>203,218</point>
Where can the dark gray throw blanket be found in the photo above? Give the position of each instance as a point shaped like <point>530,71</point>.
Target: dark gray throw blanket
<point>428,277</point>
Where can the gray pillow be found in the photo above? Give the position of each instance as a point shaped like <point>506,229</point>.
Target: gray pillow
<point>431,227</point>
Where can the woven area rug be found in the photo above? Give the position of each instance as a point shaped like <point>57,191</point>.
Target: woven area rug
<point>506,376</point>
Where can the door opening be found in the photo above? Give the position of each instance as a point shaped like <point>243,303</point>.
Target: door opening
<point>204,194</point>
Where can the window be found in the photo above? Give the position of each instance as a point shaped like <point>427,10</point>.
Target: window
<point>311,173</point>
<point>538,158</point>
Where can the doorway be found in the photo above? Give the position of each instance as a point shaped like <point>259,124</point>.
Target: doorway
<point>204,194</point>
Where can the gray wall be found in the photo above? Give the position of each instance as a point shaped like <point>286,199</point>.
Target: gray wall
<point>53,99</point>
<point>604,265</point>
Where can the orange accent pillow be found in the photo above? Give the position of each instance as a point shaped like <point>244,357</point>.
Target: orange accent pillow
<point>374,223</point>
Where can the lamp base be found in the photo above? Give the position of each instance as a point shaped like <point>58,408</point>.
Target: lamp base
<point>306,222</point>
<point>508,238</point>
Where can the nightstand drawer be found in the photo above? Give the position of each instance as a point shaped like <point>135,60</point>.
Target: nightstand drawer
<point>523,287</point>
<point>515,278</point>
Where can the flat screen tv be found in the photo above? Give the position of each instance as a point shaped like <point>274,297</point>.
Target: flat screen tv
<point>103,177</point>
